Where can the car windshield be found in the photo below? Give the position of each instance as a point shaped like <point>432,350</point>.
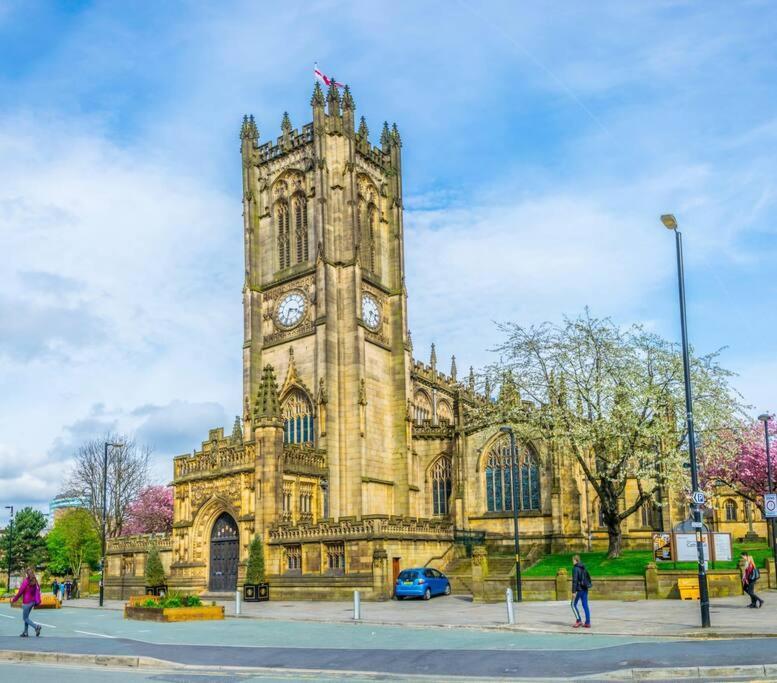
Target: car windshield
<point>408,576</point>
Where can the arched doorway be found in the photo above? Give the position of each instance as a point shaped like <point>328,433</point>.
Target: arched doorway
<point>223,555</point>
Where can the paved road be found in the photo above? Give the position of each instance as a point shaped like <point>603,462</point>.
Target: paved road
<point>430,662</point>
<point>367,648</point>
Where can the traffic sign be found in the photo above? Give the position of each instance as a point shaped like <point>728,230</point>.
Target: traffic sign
<point>698,497</point>
<point>770,504</point>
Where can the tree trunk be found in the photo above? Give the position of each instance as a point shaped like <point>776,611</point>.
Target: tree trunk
<point>614,538</point>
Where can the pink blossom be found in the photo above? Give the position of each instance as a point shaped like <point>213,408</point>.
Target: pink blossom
<point>151,512</point>
<point>738,460</point>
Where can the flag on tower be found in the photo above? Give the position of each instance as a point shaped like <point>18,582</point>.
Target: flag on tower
<point>324,78</point>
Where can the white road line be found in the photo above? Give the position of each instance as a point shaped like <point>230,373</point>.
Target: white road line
<point>6,616</point>
<point>47,625</point>
<point>99,635</point>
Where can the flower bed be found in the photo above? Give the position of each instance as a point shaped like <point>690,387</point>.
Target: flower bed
<point>173,607</point>
<point>47,601</point>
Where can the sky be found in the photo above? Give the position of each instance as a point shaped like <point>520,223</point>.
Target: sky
<point>541,143</point>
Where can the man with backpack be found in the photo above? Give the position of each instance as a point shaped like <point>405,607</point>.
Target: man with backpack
<point>581,582</point>
<point>750,575</point>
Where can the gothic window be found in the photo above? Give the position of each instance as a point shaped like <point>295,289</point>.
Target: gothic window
<point>423,407</point>
<point>731,510</point>
<point>372,229</point>
<point>288,499</point>
<point>367,217</point>
<point>293,555</point>
<point>499,479</point>
<point>444,412</point>
<point>300,228</point>
<point>297,414</point>
<point>441,485</point>
<point>335,558</point>
<point>284,236</point>
<point>651,516</point>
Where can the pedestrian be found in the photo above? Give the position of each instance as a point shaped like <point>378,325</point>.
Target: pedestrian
<point>581,582</point>
<point>29,592</point>
<point>749,577</point>
<point>55,587</point>
<point>75,589</point>
<point>68,588</point>
<point>62,591</point>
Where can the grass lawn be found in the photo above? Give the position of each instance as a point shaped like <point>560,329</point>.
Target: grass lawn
<point>632,562</point>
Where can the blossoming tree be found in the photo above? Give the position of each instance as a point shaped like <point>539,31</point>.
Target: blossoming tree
<point>736,458</point>
<point>151,511</point>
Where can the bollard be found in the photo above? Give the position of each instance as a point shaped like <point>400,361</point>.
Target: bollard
<point>509,600</point>
<point>237,602</point>
<point>357,606</point>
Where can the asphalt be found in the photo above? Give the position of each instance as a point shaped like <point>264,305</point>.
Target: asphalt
<point>421,661</point>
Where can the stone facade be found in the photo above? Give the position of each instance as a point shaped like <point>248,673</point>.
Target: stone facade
<point>351,459</point>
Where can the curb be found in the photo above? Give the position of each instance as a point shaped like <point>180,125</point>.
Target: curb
<point>751,671</point>
<point>760,671</point>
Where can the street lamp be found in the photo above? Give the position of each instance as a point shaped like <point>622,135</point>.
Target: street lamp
<point>10,546</point>
<point>514,488</point>
<point>765,417</point>
<point>670,223</point>
<point>105,514</point>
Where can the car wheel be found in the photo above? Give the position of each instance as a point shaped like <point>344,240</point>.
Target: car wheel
<point>399,597</point>
<point>427,593</point>
<point>447,589</point>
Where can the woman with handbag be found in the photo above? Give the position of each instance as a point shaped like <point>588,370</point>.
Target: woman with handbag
<point>29,592</point>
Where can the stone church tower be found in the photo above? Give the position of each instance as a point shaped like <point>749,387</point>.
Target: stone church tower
<point>324,299</point>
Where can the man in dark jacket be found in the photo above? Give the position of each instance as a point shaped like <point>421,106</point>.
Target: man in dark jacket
<point>581,582</point>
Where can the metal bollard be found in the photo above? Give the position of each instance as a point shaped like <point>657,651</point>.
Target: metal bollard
<point>510,612</point>
<point>237,602</point>
<point>357,606</point>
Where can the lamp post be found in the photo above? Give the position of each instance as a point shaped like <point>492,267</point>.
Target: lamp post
<point>765,417</point>
<point>670,223</point>
<point>105,514</point>
<point>514,489</point>
<point>10,546</point>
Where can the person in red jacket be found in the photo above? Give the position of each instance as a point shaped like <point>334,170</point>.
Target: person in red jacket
<point>29,592</point>
<point>749,577</point>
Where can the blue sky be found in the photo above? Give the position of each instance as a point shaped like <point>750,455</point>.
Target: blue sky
<point>541,143</point>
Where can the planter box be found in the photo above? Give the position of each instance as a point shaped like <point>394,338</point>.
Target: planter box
<point>168,614</point>
<point>156,590</point>
<point>256,592</point>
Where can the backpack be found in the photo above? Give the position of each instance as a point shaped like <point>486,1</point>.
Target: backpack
<point>755,575</point>
<point>587,579</point>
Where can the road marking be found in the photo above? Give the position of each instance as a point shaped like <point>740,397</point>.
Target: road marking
<point>99,635</point>
<point>47,625</point>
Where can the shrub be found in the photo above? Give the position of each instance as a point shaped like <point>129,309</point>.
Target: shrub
<point>155,573</point>
<point>255,566</point>
<point>172,602</point>
<point>192,601</point>
<point>150,603</point>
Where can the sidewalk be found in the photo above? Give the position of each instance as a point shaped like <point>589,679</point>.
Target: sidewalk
<point>664,618</point>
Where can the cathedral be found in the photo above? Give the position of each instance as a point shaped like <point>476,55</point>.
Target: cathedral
<point>351,459</point>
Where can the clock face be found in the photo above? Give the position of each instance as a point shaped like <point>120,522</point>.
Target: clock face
<point>291,309</point>
<point>370,312</point>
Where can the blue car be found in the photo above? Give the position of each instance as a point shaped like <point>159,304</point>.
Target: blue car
<point>422,582</point>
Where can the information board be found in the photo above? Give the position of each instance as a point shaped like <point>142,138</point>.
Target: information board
<point>662,547</point>
<point>685,544</point>
<point>770,505</point>
<point>722,547</point>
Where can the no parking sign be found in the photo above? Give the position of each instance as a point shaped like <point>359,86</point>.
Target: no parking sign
<point>770,504</point>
